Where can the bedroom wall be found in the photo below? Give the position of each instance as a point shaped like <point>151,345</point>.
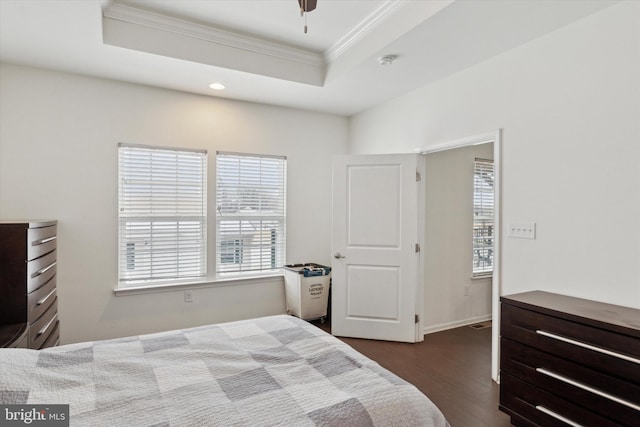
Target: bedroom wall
<point>58,159</point>
<point>451,297</point>
<point>569,107</point>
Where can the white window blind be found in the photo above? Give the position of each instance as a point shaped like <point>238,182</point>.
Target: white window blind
<point>250,212</point>
<point>162,198</point>
<point>483,209</point>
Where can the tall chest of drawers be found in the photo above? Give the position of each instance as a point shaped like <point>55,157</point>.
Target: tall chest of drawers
<point>567,361</point>
<point>28,280</point>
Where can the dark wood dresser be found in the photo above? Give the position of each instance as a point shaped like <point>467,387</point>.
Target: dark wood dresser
<point>567,361</point>
<point>28,283</point>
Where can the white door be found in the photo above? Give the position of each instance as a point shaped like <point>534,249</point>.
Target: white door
<point>376,291</point>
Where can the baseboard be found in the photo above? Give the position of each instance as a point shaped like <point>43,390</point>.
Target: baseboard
<point>455,324</point>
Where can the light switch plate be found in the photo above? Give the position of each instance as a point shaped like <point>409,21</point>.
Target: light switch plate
<point>523,230</point>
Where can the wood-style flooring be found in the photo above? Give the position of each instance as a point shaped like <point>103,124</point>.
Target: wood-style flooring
<point>453,368</point>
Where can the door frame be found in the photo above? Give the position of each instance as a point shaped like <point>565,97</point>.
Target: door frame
<point>496,289</point>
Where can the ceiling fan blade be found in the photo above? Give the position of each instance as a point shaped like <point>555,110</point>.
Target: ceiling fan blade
<point>311,5</point>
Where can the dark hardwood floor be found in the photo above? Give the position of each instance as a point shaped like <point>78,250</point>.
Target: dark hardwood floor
<point>453,368</point>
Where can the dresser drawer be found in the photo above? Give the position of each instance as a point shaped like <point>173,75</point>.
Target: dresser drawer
<point>53,339</point>
<point>39,300</point>
<point>615,354</point>
<point>608,396</point>
<point>543,408</point>
<point>40,330</point>
<point>22,342</point>
<point>41,241</point>
<point>40,270</point>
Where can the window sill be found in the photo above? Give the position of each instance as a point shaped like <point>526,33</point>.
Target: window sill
<point>482,276</point>
<point>207,283</point>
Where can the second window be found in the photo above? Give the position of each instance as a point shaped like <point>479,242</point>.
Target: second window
<point>250,213</point>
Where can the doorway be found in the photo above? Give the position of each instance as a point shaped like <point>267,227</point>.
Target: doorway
<point>483,139</point>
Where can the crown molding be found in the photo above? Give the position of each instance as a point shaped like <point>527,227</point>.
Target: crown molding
<point>360,31</point>
<point>133,15</point>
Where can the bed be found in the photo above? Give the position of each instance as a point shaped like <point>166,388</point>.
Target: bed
<point>276,370</point>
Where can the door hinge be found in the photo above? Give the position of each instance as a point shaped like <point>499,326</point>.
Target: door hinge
<point>417,247</point>
<point>418,176</point>
<point>417,319</point>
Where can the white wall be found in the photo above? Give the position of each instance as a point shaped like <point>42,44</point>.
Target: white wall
<point>451,297</point>
<point>58,159</point>
<point>569,107</point>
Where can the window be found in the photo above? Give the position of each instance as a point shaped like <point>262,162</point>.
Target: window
<point>483,218</point>
<point>162,197</point>
<point>231,252</point>
<point>250,212</point>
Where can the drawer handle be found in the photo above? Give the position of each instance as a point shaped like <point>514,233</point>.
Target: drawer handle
<point>44,329</point>
<point>43,299</point>
<point>557,416</point>
<point>589,347</point>
<point>43,241</point>
<point>587,388</point>
<point>43,270</point>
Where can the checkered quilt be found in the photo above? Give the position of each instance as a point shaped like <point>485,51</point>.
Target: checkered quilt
<point>264,372</point>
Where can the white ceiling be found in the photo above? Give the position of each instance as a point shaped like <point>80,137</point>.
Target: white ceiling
<point>258,49</point>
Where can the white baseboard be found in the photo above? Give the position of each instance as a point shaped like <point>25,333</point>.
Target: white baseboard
<point>456,324</point>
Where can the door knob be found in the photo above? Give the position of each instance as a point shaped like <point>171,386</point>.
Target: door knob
<point>338,255</point>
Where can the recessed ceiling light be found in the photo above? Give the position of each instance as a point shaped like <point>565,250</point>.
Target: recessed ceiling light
<point>216,86</point>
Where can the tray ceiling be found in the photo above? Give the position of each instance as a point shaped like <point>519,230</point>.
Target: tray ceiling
<point>258,50</point>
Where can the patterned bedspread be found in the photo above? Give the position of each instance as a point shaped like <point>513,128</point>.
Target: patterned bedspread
<point>269,371</point>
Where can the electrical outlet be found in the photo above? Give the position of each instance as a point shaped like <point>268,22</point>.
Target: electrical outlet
<point>188,296</point>
<point>523,230</point>
<point>466,290</point>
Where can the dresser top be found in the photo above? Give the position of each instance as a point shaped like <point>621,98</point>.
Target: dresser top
<point>606,316</point>
<point>32,223</point>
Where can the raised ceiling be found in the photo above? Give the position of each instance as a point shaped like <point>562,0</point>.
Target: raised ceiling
<point>276,20</point>
<point>258,50</point>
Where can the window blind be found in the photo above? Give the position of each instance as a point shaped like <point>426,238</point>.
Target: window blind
<point>483,214</point>
<point>162,199</point>
<point>250,212</point>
